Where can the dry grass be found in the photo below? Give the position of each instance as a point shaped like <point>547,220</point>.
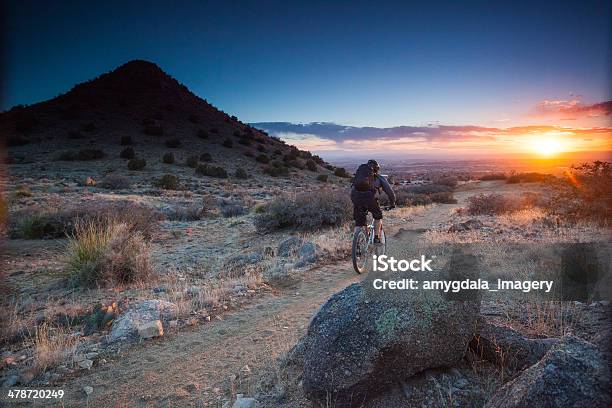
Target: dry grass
<point>52,346</point>
<point>102,253</point>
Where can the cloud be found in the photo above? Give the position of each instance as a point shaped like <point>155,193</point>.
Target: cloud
<point>573,108</point>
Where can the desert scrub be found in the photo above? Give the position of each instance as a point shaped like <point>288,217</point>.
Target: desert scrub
<point>107,253</point>
<point>137,164</point>
<point>263,158</point>
<point>153,130</point>
<point>496,204</point>
<point>322,178</point>
<point>125,140</point>
<point>228,143</point>
<point>309,211</point>
<point>311,165</point>
<point>114,182</point>
<point>206,157</point>
<point>211,171</point>
<point>229,208</point>
<point>241,173</point>
<point>52,346</point>
<point>192,161</point>
<point>528,178</point>
<point>168,182</point>
<point>341,172</point>
<point>41,225</point>
<point>127,153</point>
<point>173,143</point>
<point>83,155</point>
<point>202,134</point>
<point>492,176</point>
<point>168,158</point>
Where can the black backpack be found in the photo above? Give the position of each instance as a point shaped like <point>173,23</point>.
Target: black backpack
<point>364,178</point>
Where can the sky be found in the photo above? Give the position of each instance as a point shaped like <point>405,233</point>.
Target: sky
<point>479,67</point>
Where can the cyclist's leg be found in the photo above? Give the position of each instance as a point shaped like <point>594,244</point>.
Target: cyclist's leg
<point>377,214</point>
<point>360,210</point>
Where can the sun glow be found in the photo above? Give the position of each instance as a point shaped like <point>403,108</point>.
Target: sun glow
<point>546,146</point>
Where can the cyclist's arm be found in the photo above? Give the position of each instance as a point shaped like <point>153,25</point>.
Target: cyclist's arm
<point>388,190</point>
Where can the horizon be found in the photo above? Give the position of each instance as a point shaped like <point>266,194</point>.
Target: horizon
<point>482,80</point>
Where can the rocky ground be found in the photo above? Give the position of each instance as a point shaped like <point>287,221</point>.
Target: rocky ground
<point>192,337</point>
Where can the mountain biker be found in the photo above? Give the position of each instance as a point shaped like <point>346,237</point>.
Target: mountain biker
<point>364,195</point>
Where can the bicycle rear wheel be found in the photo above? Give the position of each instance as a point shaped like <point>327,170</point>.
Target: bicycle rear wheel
<point>360,251</point>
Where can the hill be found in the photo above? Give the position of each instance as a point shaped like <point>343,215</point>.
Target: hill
<point>139,104</point>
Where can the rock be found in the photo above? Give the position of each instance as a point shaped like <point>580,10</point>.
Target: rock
<point>508,348</point>
<point>572,374</point>
<point>307,255</point>
<point>91,355</point>
<point>150,330</point>
<point>245,402</point>
<point>85,364</point>
<point>88,390</point>
<point>289,246</point>
<point>10,380</point>
<point>358,344</point>
<point>142,312</point>
<point>468,225</point>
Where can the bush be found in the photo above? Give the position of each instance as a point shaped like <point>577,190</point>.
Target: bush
<point>168,158</point>
<point>249,153</point>
<point>495,204</point>
<point>168,182</point>
<point>173,143</point>
<point>232,208</point>
<point>443,198</point>
<point>311,165</point>
<point>276,170</point>
<point>126,140</point>
<point>193,118</point>
<point>244,142</point>
<point>430,189</point>
<point>137,164</point>
<point>153,130</point>
<point>206,157</point>
<point>241,173</point>
<point>127,153</point>
<point>90,154</point>
<point>528,178</point>
<point>202,134</point>
<point>261,148</point>
<point>107,253</point>
<point>237,133</point>
<point>263,158</point>
<point>228,143</point>
<point>309,211</point>
<point>192,161</point>
<point>341,172</point>
<point>492,176</point>
<point>114,182</point>
<point>447,181</point>
<point>322,177</point>
<point>75,134</point>
<point>211,171</point>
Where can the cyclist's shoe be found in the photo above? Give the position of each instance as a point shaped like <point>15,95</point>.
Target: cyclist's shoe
<point>377,241</point>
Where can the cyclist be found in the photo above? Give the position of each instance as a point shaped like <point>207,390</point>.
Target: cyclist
<point>364,195</point>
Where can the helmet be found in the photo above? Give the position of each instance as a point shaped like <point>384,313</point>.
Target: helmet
<point>374,165</point>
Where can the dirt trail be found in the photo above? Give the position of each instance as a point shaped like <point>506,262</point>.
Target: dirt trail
<point>197,367</point>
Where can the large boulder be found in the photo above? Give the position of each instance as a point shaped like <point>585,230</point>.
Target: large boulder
<point>140,314</point>
<point>507,347</point>
<point>574,373</point>
<point>359,344</point>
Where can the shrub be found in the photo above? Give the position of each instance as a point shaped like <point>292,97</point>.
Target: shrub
<point>341,172</point>
<point>295,163</point>
<point>192,161</point>
<point>492,176</point>
<point>232,208</point>
<point>114,182</point>
<point>193,118</point>
<point>127,153</point>
<point>75,134</point>
<point>228,143</point>
<point>493,204</point>
<point>237,133</point>
<point>311,165</point>
<point>261,148</point>
<point>153,130</point>
<point>528,178</point>
<point>90,154</point>
<point>262,158</point>
<point>241,173</point>
<point>276,170</point>
<point>202,134</point>
<point>322,177</point>
<point>126,140</point>
<point>309,211</point>
<point>88,127</point>
<point>168,158</point>
<point>105,253</point>
<point>168,182</point>
<point>206,157</point>
<point>443,198</point>
<point>173,143</point>
<point>137,164</point>
<point>447,181</point>
<point>429,189</point>
<point>211,171</point>
<point>244,142</point>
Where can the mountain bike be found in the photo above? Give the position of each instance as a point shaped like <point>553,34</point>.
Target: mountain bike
<point>363,244</point>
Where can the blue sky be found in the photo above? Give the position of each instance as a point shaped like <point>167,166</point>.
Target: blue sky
<point>346,62</point>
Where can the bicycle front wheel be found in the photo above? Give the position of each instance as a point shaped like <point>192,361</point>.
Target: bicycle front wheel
<point>360,251</point>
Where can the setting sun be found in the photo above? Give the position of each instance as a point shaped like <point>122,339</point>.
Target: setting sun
<point>546,146</point>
